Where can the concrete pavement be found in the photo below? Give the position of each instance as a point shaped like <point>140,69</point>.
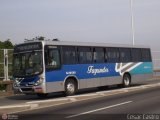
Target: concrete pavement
<point>34,103</point>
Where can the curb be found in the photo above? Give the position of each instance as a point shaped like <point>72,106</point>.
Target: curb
<point>8,109</point>
<point>54,102</point>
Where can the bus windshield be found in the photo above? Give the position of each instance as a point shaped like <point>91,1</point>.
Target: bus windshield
<point>27,63</point>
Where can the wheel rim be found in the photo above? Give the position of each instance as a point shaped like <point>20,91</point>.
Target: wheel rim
<point>126,81</point>
<point>70,88</point>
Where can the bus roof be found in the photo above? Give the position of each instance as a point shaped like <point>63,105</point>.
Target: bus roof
<point>93,44</point>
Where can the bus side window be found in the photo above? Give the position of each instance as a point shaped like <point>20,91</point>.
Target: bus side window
<point>85,55</point>
<point>112,55</point>
<point>146,55</point>
<point>136,55</point>
<point>98,55</point>
<point>69,55</point>
<point>125,55</point>
<point>52,59</point>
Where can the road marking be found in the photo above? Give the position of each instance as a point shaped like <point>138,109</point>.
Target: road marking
<point>51,100</point>
<point>101,94</point>
<point>126,90</point>
<point>71,99</point>
<point>98,109</point>
<point>13,106</point>
<point>85,95</point>
<point>32,106</point>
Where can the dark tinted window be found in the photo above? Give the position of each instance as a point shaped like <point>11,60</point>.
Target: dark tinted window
<point>125,54</point>
<point>136,55</point>
<point>69,55</point>
<point>112,55</point>
<point>98,55</point>
<point>84,55</point>
<point>146,55</point>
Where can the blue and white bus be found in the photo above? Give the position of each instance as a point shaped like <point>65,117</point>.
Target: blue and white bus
<point>43,67</point>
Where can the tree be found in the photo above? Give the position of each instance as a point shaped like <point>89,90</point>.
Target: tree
<point>6,44</point>
<point>41,38</point>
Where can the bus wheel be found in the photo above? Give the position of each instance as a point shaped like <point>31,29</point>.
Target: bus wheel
<point>42,95</point>
<point>126,80</point>
<point>70,87</point>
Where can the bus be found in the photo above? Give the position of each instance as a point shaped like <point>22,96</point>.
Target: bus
<point>42,67</point>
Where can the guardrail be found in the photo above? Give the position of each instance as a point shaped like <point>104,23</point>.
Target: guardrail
<point>6,72</point>
<point>156,72</point>
<point>6,88</point>
<point>7,84</point>
<point>6,56</point>
<point>156,60</point>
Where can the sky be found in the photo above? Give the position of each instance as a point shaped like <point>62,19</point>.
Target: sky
<point>104,21</point>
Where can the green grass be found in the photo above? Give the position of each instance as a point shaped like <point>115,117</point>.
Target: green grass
<point>1,55</point>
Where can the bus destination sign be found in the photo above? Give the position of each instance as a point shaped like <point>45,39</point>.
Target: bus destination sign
<point>28,47</point>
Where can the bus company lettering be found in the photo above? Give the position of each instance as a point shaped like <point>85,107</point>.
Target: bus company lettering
<point>94,71</point>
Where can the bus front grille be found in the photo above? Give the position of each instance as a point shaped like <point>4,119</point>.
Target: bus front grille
<point>27,89</point>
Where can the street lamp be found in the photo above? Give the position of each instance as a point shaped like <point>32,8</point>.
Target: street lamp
<point>132,22</point>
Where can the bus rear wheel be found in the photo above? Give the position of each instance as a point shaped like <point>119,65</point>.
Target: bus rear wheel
<point>70,87</point>
<point>126,80</point>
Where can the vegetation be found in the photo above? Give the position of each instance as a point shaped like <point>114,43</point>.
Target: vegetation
<point>41,38</point>
<point>2,87</point>
<point>6,44</point>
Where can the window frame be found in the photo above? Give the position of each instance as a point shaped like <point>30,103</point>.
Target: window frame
<point>46,50</point>
<point>133,54</point>
<point>84,49</point>
<point>99,50</point>
<point>63,48</point>
<point>112,49</point>
<point>147,58</point>
<point>128,55</point>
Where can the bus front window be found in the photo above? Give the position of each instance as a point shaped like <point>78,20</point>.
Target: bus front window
<point>52,59</point>
<point>26,64</point>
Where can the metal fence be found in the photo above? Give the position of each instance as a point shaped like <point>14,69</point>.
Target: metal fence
<point>6,56</point>
<point>156,60</point>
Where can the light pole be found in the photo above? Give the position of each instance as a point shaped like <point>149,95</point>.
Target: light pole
<point>132,22</point>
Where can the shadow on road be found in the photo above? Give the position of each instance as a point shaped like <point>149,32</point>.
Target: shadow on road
<point>33,97</point>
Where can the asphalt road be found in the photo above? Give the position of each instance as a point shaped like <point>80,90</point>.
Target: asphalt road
<point>20,99</point>
<point>135,105</point>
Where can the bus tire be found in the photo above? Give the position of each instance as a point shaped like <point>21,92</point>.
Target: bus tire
<point>126,80</point>
<point>70,87</point>
<point>42,95</point>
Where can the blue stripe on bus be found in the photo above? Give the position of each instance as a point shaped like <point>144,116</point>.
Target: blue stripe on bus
<point>30,79</point>
<point>86,71</point>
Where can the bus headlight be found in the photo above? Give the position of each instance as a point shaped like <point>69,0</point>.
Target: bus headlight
<point>39,82</point>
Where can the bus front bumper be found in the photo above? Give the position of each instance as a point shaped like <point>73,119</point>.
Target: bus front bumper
<point>28,90</point>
